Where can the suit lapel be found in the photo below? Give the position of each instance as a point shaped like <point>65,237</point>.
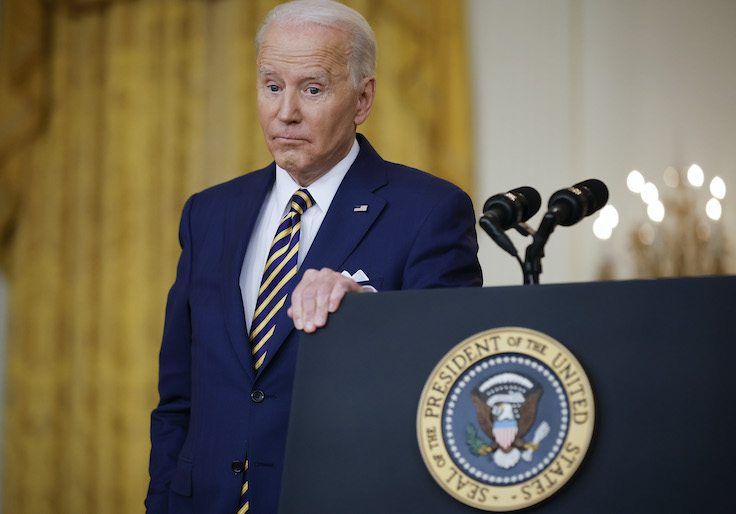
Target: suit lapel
<point>343,228</point>
<point>241,218</point>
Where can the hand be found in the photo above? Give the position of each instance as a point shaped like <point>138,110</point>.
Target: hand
<point>316,295</point>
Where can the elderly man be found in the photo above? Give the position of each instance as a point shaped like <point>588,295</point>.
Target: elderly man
<point>273,252</point>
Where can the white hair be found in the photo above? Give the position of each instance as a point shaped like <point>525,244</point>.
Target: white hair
<point>328,13</point>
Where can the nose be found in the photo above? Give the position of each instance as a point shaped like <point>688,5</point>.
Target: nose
<point>289,111</point>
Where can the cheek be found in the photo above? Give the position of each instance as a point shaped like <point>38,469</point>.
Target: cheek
<point>266,108</point>
<point>334,121</point>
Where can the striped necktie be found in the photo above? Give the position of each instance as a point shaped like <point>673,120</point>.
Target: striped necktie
<point>276,285</point>
<point>244,504</point>
<point>278,276</point>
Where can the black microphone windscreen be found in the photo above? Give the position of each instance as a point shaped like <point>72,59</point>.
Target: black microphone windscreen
<point>533,200</point>
<point>574,203</point>
<point>515,206</point>
<point>599,194</point>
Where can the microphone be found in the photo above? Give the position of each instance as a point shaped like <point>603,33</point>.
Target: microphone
<point>516,206</point>
<point>574,203</point>
<point>503,211</point>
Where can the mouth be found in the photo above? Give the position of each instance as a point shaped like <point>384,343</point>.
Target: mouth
<point>289,140</point>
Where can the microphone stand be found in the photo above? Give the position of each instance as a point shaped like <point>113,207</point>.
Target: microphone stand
<point>533,259</point>
<point>532,264</point>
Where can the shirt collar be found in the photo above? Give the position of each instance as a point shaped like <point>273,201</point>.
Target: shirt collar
<point>323,189</point>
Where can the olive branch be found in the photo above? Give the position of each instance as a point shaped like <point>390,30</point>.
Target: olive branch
<point>476,445</point>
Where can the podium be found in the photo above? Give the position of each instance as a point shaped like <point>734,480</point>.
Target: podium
<point>660,356</point>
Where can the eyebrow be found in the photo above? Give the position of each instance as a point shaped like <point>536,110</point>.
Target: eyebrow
<point>265,72</point>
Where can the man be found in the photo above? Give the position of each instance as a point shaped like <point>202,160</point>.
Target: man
<point>351,220</point>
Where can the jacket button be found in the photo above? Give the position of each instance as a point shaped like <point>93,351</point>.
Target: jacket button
<point>238,466</point>
<point>257,395</point>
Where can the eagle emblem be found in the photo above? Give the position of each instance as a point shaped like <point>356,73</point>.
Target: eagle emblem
<point>506,406</point>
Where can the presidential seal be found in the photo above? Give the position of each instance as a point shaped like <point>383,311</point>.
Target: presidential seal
<point>505,419</point>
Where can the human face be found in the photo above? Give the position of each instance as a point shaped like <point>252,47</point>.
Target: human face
<point>307,105</point>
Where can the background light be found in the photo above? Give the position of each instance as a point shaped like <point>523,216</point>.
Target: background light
<point>655,211</point>
<point>601,229</point>
<point>605,222</point>
<point>649,193</point>
<point>713,209</point>
<point>635,181</point>
<point>671,177</point>
<point>609,215</point>
<point>718,188</point>
<point>695,175</point>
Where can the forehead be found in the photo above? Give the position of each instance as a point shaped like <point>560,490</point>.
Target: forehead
<point>312,47</point>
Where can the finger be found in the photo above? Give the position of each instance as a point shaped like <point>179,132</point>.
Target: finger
<point>296,310</point>
<point>345,285</point>
<point>324,296</point>
<point>308,303</point>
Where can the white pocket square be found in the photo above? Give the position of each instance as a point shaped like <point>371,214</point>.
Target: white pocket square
<point>358,276</point>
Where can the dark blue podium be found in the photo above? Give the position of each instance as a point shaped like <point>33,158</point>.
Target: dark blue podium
<point>660,355</point>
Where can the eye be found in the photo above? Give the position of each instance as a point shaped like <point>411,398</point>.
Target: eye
<point>273,88</point>
<point>313,90</point>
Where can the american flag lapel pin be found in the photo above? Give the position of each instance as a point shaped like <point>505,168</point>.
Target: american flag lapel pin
<point>360,208</point>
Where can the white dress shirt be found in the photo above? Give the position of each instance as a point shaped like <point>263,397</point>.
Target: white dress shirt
<point>275,207</point>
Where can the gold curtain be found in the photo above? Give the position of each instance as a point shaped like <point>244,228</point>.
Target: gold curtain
<point>112,112</point>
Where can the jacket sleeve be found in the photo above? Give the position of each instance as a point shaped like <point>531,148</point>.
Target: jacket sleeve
<point>170,419</point>
<point>445,249</point>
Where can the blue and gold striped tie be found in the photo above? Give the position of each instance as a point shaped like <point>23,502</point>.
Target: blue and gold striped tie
<point>244,504</point>
<point>275,287</point>
<point>277,280</point>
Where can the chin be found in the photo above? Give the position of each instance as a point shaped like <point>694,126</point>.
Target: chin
<point>290,164</point>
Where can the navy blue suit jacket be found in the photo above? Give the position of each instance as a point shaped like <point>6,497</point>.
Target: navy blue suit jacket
<point>418,232</point>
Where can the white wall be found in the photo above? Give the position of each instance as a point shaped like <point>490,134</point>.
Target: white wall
<point>567,90</point>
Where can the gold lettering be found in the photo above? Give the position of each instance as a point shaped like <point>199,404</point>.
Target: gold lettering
<point>578,390</point>
<point>429,411</point>
<point>563,367</point>
<point>580,404</point>
<point>468,351</point>
<point>580,417</point>
<point>550,482</point>
<point>438,387</point>
<point>556,468</point>
<point>537,485</point>
<point>463,361</point>
<point>432,438</point>
<point>525,492</point>
<point>536,346</point>
<point>569,461</point>
<point>494,340</point>
<point>513,341</point>
<point>445,377</point>
<point>482,349</point>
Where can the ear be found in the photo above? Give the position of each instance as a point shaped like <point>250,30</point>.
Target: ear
<point>366,92</point>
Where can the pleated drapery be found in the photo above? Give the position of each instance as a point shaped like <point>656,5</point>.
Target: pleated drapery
<point>112,113</point>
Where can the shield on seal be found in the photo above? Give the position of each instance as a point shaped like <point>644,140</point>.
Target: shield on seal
<point>505,433</point>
